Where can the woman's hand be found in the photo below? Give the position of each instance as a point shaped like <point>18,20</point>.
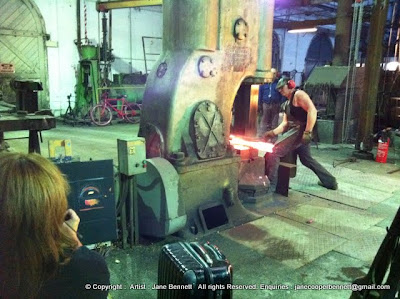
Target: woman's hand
<point>72,219</point>
<point>70,225</point>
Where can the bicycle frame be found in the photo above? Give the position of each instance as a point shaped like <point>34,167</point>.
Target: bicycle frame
<point>109,102</point>
<point>102,113</point>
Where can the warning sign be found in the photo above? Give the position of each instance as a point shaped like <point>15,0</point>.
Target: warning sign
<point>7,68</point>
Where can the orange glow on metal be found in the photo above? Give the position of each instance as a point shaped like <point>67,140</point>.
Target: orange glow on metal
<point>91,202</point>
<point>252,125</point>
<point>242,144</point>
<point>240,147</point>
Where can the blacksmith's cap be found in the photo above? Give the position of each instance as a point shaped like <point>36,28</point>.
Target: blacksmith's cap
<point>282,82</point>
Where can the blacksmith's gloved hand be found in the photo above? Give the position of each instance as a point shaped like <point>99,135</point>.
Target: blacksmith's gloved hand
<point>307,137</point>
<point>269,134</point>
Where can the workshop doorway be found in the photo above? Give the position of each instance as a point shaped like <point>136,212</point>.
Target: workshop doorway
<point>320,52</point>
<point>23,44</point>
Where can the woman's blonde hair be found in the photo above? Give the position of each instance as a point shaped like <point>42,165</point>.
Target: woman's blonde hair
<point>33,202</point>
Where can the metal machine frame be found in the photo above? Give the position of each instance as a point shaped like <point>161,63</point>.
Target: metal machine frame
<point>187,106</point>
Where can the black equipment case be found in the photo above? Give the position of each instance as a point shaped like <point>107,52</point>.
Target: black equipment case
<point>192,270</point>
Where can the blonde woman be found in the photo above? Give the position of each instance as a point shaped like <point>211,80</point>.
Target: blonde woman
<point>40,253</point>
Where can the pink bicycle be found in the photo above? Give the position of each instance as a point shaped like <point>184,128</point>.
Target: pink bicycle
<point>102,114</point>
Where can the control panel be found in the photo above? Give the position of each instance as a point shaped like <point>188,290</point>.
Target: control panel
<point>132,156</point>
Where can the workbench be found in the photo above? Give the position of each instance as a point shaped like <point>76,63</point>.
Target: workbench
<point>32,122</point>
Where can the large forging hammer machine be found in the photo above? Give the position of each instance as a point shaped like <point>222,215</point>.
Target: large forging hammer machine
<point>210,49</point>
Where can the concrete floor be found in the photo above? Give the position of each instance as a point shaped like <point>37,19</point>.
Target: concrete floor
<point>314,236</point>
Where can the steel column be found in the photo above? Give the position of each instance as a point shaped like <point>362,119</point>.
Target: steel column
<point>371,80</point>
<point>342,33</point>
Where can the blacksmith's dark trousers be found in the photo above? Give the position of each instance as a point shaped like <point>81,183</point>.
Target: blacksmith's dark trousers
<point>291,141</point>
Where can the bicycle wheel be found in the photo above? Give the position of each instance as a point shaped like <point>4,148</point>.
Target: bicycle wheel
<point>132,113</point>
<point>100,115</point>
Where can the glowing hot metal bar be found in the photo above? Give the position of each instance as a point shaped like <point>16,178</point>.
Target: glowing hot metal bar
<point>240,147</point>
<point>242,144</point>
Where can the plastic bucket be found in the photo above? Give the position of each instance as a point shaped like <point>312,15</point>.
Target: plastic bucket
<point>382,152</point>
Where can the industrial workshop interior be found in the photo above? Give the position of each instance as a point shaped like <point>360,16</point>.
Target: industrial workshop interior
<point>155,113</point>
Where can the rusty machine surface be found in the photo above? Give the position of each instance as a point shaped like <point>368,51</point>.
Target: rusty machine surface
<point>210,48</point>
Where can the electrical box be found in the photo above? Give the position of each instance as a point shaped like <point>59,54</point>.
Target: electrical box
<point>132,156</point>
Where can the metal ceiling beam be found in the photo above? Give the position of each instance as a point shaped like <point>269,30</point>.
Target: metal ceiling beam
<point>327,7</point>
<point>108,5</point>
<point>303,24</point>
<point>291,3</point>
<point>314,2</point>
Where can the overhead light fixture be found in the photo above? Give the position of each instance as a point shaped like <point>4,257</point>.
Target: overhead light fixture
<point>303,30</point>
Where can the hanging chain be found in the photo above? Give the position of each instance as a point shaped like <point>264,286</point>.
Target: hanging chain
<point>85,17</point>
